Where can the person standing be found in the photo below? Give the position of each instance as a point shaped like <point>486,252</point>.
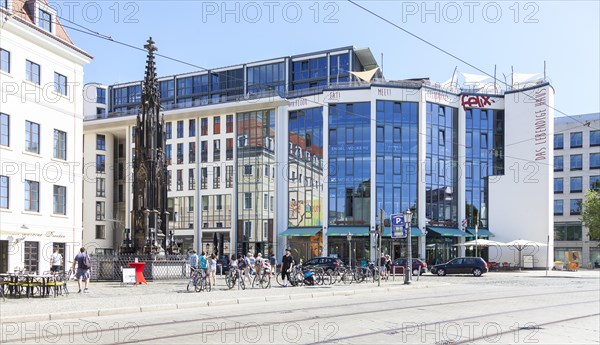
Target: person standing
<point>212,267</point>
<point>248,269</point>
<point>84,269</point>
<point>287,263</point>
<point>202,262</point>
<point>273,262</point>
<point>193,261</point>
<point>56,260</point>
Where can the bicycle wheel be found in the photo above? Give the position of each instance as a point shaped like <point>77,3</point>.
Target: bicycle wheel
<point>198,284</point>
<point>279,279</point>
<point>242,283</point>
<point>265,280</point>
<point>347,277</point>
<point>326,278</point>
<point>230,281</point>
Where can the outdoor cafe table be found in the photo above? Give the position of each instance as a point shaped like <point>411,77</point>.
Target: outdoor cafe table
<point>139,272</point>
<point>29,281</point>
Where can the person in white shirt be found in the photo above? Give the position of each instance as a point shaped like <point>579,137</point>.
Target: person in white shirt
<point>56,261</point>
<point>212,268</point>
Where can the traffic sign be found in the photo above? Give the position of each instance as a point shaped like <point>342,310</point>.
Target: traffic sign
<point>398,226</point>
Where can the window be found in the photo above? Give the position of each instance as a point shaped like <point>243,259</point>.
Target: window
<point>576,184</point>
<point>5,60</point>
<point>247,230</point>
<point>265,230</point>
<point>32,72</point>
<point>576,162</point>
<point>168,130</point>
<point>558,185</point>
<point>100,210</point>
<point>205,203</point>
<point>121,171</point>
<point>595,138</point>
<point>349,135</point>
<point>229,149</point>
<point>442,137</point>
<point>218,202</point>
<point>32,137</point>
<point>569,231</point>
<point>247,201</point>
<point>558,163</point>
<point>595,182</point>
<point>191,180</point>
<point>380,165</point>
<point>32,196</point>
<point>216,177</point>
<point>4,129</point>
<point>100,111</point>
<point>100,187</point>
<point>100,163</point>
<point>101,95</point>
<point>558,207</point>
<point>4,192</point>
<point>168,154</point>
<point>60,200</point>
<point>558,141</point>
<point>229,128</point>
<point>217,150</point>
<point>31,256</point>
<point>166,88</point>
<point>180,153</point>
<point>60,144</point>
<point>60,84</point>
<point>204,151</point>
<point>169,178</point>
<point>217,125</point>
<point>229,176</point>
<point>248,170</point>
<point>397,135</point>
<point>204,126</point>
<point>100,233</point>
<point>204,178</point>
<point>575,206</point>
<point>179,179</point>
<point>349,166</point>
<point>332,137</point>
<point>180,129</point>
<point>576,139</point>
<point>192,128</point>
<point>100,142</point>
<point>265,201</point>
<point>380,134</point>
<point>45,20</point>
<point>192,152</point>
<point>594,160</point>
<point>484,140</point>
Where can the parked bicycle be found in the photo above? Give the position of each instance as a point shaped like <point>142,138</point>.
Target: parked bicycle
<point>233,277</point>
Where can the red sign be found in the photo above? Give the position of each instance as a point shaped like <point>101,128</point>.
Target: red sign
<point>476,101</point>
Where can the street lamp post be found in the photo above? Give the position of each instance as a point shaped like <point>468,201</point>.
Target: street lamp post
<point>476,238</point>
<point>349,238</point>
<point>408,270</point>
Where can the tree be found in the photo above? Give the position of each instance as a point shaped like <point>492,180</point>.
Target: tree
<point>590,214</point>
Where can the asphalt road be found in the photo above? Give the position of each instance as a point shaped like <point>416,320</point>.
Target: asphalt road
<point>494,309</point>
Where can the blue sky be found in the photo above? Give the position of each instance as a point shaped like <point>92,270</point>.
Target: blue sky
<point>566,34</point>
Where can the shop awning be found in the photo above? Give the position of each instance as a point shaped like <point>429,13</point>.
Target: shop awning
<point>447,232</point>
<point>414,232</point>
<point>344,230</point>
<point>481,232</point>
<point>300,232</point>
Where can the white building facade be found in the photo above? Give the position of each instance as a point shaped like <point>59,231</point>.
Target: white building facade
<point>576,170</point>
<point>41,81</point>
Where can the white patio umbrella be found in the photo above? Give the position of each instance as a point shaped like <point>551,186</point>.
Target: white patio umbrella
<point>520,245</point>
<point>483,243</point>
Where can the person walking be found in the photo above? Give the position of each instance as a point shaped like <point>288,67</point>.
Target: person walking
<point>388,266</point>
<point>273,262</point>
<point>212,267</point>
<point>248,269</point>
<point>84,269</point>
<point>287,262</point>
<point>56,260</point>
<point>202,262</point>
<point>382,262</point>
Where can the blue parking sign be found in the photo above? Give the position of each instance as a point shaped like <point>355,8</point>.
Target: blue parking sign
<point>398,226</point>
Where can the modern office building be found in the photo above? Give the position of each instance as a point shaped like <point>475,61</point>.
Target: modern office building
<point>316,144</point>
<point>41,130</point>
<point>576,170</point>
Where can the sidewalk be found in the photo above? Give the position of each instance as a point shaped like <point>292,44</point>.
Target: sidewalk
<point>106,298</point>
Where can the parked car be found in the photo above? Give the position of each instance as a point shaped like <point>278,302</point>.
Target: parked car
<point>327,263</point>
<point>467,265</point>
<point>418,266</point>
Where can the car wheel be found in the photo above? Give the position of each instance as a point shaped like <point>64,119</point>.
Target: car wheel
<point>477,272</point>
<point>441,272</point>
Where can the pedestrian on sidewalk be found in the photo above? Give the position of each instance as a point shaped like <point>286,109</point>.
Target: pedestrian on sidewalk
<point>56,260</point>
<point>212,266</point>
<point>273,262</point>
<point>203,263</point>
<point>248,269</point>
<point>287,262</point>
<point>194,261</point>
<point>84,269</point>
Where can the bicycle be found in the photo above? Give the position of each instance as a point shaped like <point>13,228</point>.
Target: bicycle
<point>193,282</point>
<point>262,278</point>
<point>234,276</point>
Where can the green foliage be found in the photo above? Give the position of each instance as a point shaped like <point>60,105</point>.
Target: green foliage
<point>590,214</point>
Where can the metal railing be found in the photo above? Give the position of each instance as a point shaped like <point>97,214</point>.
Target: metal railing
<point>109,267</point>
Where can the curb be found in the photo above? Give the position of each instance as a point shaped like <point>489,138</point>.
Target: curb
<point>223,302</point>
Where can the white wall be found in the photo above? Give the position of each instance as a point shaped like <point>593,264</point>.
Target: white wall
<point>521,200</point>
